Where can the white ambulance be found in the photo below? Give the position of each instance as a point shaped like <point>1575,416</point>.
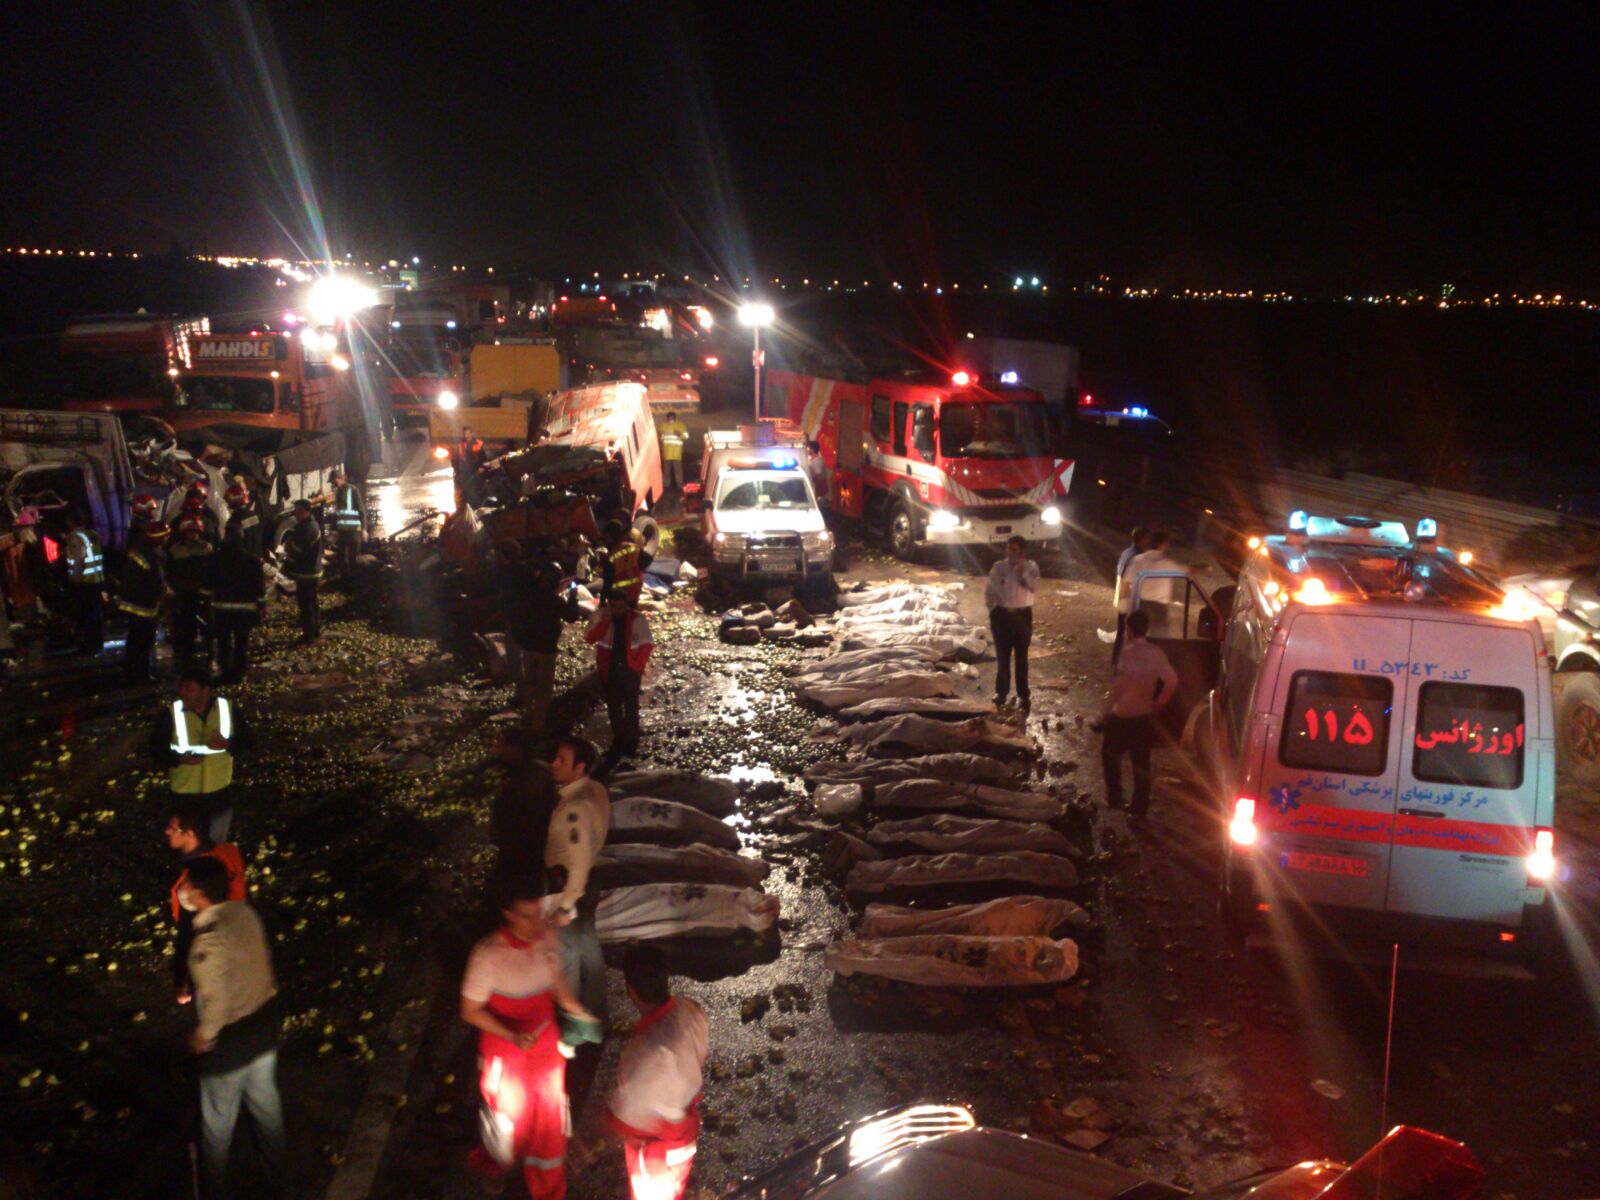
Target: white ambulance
<point>1379,729</point>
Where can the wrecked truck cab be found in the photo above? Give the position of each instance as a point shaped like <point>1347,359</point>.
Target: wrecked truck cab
<point>923,1151</point>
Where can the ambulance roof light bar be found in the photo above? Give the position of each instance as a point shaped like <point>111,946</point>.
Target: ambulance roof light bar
<point>1427,530</point>
<point>1298,521</point>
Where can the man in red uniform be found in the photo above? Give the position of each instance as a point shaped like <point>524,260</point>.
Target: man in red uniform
<point>512,988</point>
<point>655,1108</point>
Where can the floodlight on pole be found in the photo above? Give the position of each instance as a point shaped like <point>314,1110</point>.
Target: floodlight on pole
<point>755,316</point>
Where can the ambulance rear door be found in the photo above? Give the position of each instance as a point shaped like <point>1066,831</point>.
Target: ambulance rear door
<point>1477,753</point>
<point>1326,797</point>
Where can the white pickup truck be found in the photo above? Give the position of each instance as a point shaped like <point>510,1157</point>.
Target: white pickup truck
<point>763,525</point>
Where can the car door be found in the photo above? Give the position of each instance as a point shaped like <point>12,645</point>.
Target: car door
<point>1325,800</point>
<point>1470,773</point>
<point>1187,628</point>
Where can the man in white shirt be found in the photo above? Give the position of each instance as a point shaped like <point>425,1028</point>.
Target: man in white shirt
<point>1009,595</point>
<point>578,827</point>
<point>1154,557</point>
<point>1144,684</point>
<point>1138,542</point>
<point>655,1107</point>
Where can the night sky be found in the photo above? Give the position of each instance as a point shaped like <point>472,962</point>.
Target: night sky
<point>1289,146</point>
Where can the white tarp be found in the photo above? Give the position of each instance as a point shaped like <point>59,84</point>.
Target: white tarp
<point>943,707</point>
<point>967,768</point>
<point>947,794</point>
<point>850,660</point>
<point>867,672</point>
<point>715,796</point>
<point>889,682</point>
<point>646,819</point>
<point>980,735</point>
<point>939,870</point>
<point>624,865</point>
<point>1008,916</point>
<point>944,834</point>
<point>960,643</point>
<point>914,617</point>
<point>948,960</point>
<point>664,910</point>
<point>887,592</point>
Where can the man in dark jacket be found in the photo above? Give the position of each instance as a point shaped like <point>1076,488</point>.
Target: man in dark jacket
<point>304,565</point>
<point>237,603</point>
<point>239,1023</point>
<point>349,521</point>
<point>139,594</point>
<point>191,563</point>
<point>244,523</point>
<point>533,611</point>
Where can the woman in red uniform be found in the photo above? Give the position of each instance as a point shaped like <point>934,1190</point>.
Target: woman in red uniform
<point>510,992</point>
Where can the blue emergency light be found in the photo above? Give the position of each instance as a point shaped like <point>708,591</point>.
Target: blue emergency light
<point>785,463</point>
<point>1298,521</point>
<point>1009,377</point>
<point>1138,412</point>
<point>1427,529</point>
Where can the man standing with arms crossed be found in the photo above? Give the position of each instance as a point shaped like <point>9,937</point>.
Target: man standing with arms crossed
<point>1009,595</point>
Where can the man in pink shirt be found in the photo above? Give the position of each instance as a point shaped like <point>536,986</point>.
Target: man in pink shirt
<point>1143,685</point>
<point>655,1107</point>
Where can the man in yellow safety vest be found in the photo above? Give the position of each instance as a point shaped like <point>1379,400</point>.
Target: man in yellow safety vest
<point>674,436</point>
<point>86,576</point>
<point>196,738</point>
<point>349,521</point>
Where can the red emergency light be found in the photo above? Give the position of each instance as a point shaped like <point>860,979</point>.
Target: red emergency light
<point>961,379</point>
<point>685,376</point>
<point>1085,400</point>
<point>713,361</point>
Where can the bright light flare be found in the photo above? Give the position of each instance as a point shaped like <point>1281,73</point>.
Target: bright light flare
<point>449,401</point>
<point>1542,862</point>
<point>441,453</point>
<point>1314,592</point>
<point>961,379</point>
<point>1050,515</point>
<point>335,298</point>
<point>1242,829</point>
<point>898,1130</point>
<point>756,315</point>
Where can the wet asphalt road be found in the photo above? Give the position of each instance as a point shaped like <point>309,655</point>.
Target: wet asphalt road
<point>1202,1055</point>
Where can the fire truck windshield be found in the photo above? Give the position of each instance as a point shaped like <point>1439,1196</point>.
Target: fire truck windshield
<point>994,431</point>
<point>424,361</point>
<point>226,393</point>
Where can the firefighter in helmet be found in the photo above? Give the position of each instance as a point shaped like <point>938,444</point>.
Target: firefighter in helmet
<point>86,577</point>
<point>191,569</point>
<point>244,523</point>
<point>142,586</point>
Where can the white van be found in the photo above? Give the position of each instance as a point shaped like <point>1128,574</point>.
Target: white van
<point>1379,729</point>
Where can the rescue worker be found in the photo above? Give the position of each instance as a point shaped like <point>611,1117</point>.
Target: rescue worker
<point>196,739</point>
<point>237,605</point>
<point>142,586</point>
<point>1154,595</point>
<point>621,640</point>
<point>191,564</point>
<point>1138,542</point>
<point>578,828</point>
<point>186,833</point>
<point>655,1107</point>
<point>244,523</point>
<point>674,436</point>
<point>533,611</point>
<point>86,576</point>
<point>510,993</point>
<point>197,500</point>
<point>349,520</point>
<point>303,565</point>
<point>622,568</point>
<point>468,458</point>
<point>1144,684</point>
<point>1009,594</point>
<point>239,1021</point>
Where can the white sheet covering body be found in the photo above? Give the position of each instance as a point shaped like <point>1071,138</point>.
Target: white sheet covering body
<point>625,865</point>
<point>941,870</point>
<point>950,960</point>
<point>666,822</point>
<point>944,794</point>
<point>965,768</point>
<point>664,910</point>
<point>1008,916</point>
<point>945,834</point>
<point>715,796</point>
<point>980,735</point>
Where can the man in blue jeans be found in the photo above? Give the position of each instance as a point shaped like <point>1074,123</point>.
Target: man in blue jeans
<point>240,1020</point>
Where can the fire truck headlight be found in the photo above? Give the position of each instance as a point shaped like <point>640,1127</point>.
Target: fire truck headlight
<point>1050,515</point>
<point>943,518</point>
<point>339,362</point>
<point>449,401</point>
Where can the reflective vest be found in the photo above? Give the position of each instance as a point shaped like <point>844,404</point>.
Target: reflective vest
<point>627,576</point>
<point>190,733</point>
<point>85,563</point>
<point>673,436</point>
<point>346,508</point>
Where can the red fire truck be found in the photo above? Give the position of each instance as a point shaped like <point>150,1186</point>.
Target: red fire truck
<point>956,460</point>
<point>124,362</point>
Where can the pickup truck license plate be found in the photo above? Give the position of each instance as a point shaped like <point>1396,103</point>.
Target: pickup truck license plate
<point>1325,864</point>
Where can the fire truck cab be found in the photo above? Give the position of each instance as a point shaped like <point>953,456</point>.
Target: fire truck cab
<point>957,461</point>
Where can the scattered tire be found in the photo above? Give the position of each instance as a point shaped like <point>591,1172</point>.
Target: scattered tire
<point>1578,726</point>
<point>649,533</point>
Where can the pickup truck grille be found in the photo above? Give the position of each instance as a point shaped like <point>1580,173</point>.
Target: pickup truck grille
<point>775,541</point>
